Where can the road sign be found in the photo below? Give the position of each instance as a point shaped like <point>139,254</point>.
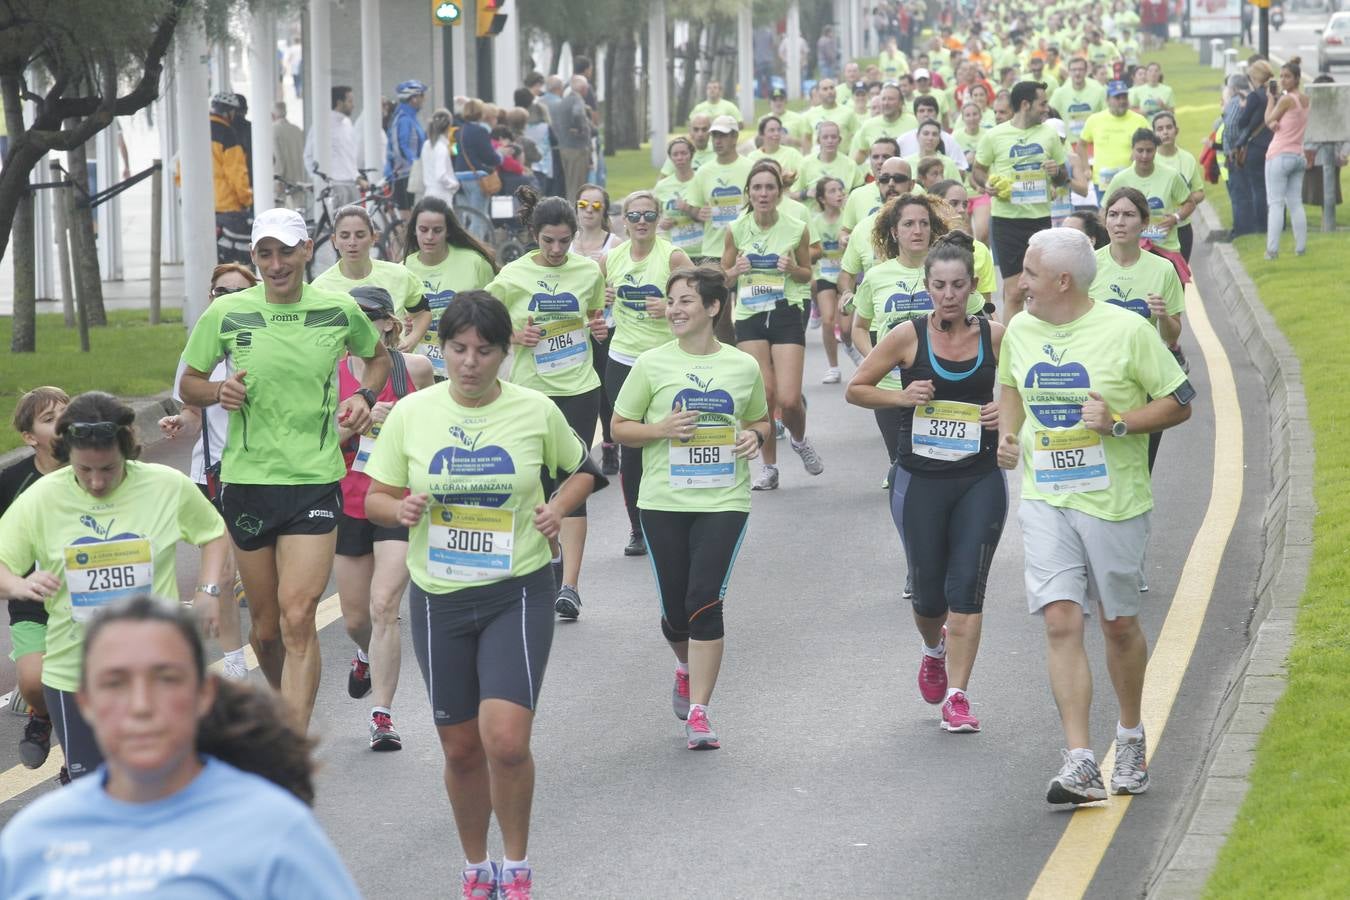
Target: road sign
<point>445,12</point>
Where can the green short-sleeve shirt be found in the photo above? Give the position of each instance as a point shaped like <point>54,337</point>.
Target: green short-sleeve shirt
<point>634,282</point>
<point>1129,286</point>
<point>722,188</point>
<point>1165,190</point>
<point>461,270</point>
<point>404,288</point>
<point>1020,155</point>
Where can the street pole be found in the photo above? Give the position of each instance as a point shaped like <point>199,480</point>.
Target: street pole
<point>156,239</point>
<point>745,64</point>
<point>1263,32</point>
<point>657,81</point>
<point>793,38</point>
<point>262,53</point>
<point>319,59</point>
<point>370,83</point>
<point>1326,158</point>
<point>192,100</point>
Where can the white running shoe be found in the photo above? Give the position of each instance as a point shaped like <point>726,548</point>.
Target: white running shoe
<point>810,458</point>
<point>832,376</point>
<point>766,480</point>
<point>854,354</point>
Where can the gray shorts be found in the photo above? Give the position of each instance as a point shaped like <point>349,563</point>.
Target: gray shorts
<point>1071,555</point>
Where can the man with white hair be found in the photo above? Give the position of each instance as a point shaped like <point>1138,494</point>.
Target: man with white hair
<point>1084,384</point>
<point>573,125</point>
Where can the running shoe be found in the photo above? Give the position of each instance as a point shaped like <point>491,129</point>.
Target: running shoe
<point>36,742</point>
<point>854,354</point>
<point>1078,781</point>
<point>233,670</point>
<point>382,733</point>
<point>908,593</point>
<point>779,430</point>
<point>515,884</point>
<point>568,604</point>
<point>933,678</point>
<point>699,731</point>
<point>358,679</point>
<point>480,883</point>
<point>63,776</point>
<point>679,696</point>
<point>832,376</point>
<point>609,459</point>
<point>637,544</point>
<point>1129,775</point>
<point>811,460</point>
<point>766,480</point>
<point>956,716</point>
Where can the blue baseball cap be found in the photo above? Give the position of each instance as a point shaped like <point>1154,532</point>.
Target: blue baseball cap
<point>1116,88</point>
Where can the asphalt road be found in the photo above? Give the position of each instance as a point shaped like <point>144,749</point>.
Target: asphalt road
<point>834,776</point>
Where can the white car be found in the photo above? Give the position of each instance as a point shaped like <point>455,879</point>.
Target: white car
<point>1333,42</point>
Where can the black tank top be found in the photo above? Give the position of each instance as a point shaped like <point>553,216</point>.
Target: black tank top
<point>963,381</point>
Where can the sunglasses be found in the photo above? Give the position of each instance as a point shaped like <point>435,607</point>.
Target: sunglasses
<point>81,431</point>
<point>218,292</point>
<point>648,216</point>
<point>596,205</point>
<point>898,179</point>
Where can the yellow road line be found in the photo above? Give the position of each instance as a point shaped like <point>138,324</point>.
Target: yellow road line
<point>19,780</point>
<point>1070,868</point>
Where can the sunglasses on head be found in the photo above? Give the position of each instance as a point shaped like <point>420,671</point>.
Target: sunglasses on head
<point>887,179</point>
<point>593,204</point>
<point>92,430</point>
<point>217,292</point>
<point>648,216</point>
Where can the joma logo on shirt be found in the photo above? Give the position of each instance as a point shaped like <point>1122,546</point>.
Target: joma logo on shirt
<point>285,317</point>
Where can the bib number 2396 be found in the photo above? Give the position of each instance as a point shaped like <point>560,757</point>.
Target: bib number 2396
<point>100,573</point>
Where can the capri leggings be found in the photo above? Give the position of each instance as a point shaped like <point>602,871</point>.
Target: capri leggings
<point>692,554</point>
<point>483,643</point>
<point>950,528</point>
<point>73,731</point>
<point>600,362</point>
<point>630,458</point>
<point>581,412</point>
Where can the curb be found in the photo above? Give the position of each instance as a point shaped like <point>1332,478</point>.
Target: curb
<point>1192,848</point>
<point>149,410</point>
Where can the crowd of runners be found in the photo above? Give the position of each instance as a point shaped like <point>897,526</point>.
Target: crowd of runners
<point>994,232</point>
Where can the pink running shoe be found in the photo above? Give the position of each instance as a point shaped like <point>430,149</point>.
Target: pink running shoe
<point>516,884</point>
<point>679,698</point>
<point>956,716</point>
<point>480,883</point>
<point>699,732</point>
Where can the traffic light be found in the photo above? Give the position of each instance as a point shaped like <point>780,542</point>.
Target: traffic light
<point>491,19</point>
<point>445,12</point>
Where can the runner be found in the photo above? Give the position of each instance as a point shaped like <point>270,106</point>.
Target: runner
<point>35,418</point>
<point>370,565</point>
<point>948,498</point>
<point>212,426</point>
<point>1018,161</point>
<point>353,237</point>
<point>1074,410</point>
<point>555,297</point>
<point>954,194</point>
<point>104,527</point>
<point>203,784</point>
<point>447,260</point>
<point>1185,165</point>
<point>894,180</point>
<point>930,147</point>
<point>718,190</point>
<point>866,199</point>
<point>699,138</point>
<point>829,197</point>
<point>768,257</point>
<point>827,160</point>
<point>1078,98</point>
<point>1106,142</point>
<point>594,240</point>
<point>282,463</point>
<point>677,226</point>
<point>1167,195</point>
<point>699,411</point>
<point>635,275</point>
<point>459,465</point>
<point>772,133</point>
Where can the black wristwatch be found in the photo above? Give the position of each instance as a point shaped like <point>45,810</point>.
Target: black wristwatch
<point>367,395</point>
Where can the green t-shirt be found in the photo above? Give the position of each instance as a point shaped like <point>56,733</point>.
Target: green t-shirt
<point>1129,287</point>
<point>877,127</point>
<point>480,465</point>
<point>1165,190</point>
<point>1053,367</point>
<point>863,202</point>
<point>794,123</point>
<point>814,168</point>
<point>789,159</point>
<point>1151,98</point>
<point>841,115</point>
<point>893,64</point>
<point>721,187</point>
<point>1104,53</point>
<point>723,107</point>
<point>286,432</point>
<point>764,285</point>
<point>859,254</point>
<point>949,169</point>
<point>1019,155</point>
<point>893,293</point>
<point>826,233</point>
<point>1075,105</point>
<point>1111,139</point>
<point>461,270</point>
<point>703,473</point>
<point>1186,165</point>
<point>985,282</point>
<point>634,282</point>
<point>404,288</point>
<point>102,548</point>
<point>561,299</point>
<point>967,141</point>
<point>706,155</point>
<point>685,232</point>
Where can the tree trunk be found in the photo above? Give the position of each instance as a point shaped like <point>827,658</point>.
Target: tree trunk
<point>622,122</point>
<point>84,246</point>
<point>685,98</point>
<point>23,339</point>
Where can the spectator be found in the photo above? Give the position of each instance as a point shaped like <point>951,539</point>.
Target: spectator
<point>573,125</point>
<point>518,153</point>
<point>243,132</point>
<point>552,97</point>
<point>1287,117</point>
<point>288,156</point>
<point>344,153</point>
<point>1246,142</point>
<point>229,170</point>
<point>764,54</point>
<point>827,54</point>
<point>476,154</point>
<point>406,137</point>
<point>438,171</point>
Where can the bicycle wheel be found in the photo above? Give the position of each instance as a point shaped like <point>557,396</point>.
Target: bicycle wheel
<point>476,223</point>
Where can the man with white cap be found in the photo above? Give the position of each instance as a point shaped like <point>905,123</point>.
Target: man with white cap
<point>718,191</point>
<point>923,87</point>
<point>282,462</point>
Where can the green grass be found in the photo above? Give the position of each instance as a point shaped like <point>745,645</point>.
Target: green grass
<point>128,358</point>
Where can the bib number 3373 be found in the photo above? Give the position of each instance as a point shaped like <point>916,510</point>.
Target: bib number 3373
<point>1070,462</point>
<point>946,430</point>
<point>470,543</point>
<point>100,573</point>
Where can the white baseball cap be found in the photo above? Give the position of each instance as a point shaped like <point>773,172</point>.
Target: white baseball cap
<point>724,125</point>
<point>922,73</point>
<point>286,225</point>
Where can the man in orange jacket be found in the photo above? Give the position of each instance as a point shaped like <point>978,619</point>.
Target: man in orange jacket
<point>233,192</point>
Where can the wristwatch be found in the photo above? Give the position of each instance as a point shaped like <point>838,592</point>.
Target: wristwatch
<point>1118,427</point>
<point>210,590</point>
<point>367,395</point>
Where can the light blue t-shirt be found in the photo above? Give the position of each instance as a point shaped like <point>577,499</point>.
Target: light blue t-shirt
<point>227,834</point>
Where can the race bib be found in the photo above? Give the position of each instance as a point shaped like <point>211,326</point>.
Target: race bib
<point>364,448</point>
<point>98,574</point>
<point>1029,188</point>
<point>706,460</point>
<point>1104,178</point>
<point>761,289</point>
<point>830,264</point>
<point>470,543</point>
<point>1076,127</point>
<point>1061,206</point>
<point>431,349</point>
<point>562,347</point>
<point>1072,461</point>
<point>725,209</point>
<point>1153,232</point>
<point>946,430</point>
<point>687,236</point>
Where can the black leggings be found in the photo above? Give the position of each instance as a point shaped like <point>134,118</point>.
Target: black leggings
<point>580,412</point>
<point>1186,235</point>
<point>692,554</point>
<point>630,458</point>
<point>888,420</point>
<point>73,731</point>
<point>600,359</point>
<point>950,528</point>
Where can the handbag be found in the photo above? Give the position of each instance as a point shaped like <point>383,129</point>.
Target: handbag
<point>491,182</point>
<point>416,186</point>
